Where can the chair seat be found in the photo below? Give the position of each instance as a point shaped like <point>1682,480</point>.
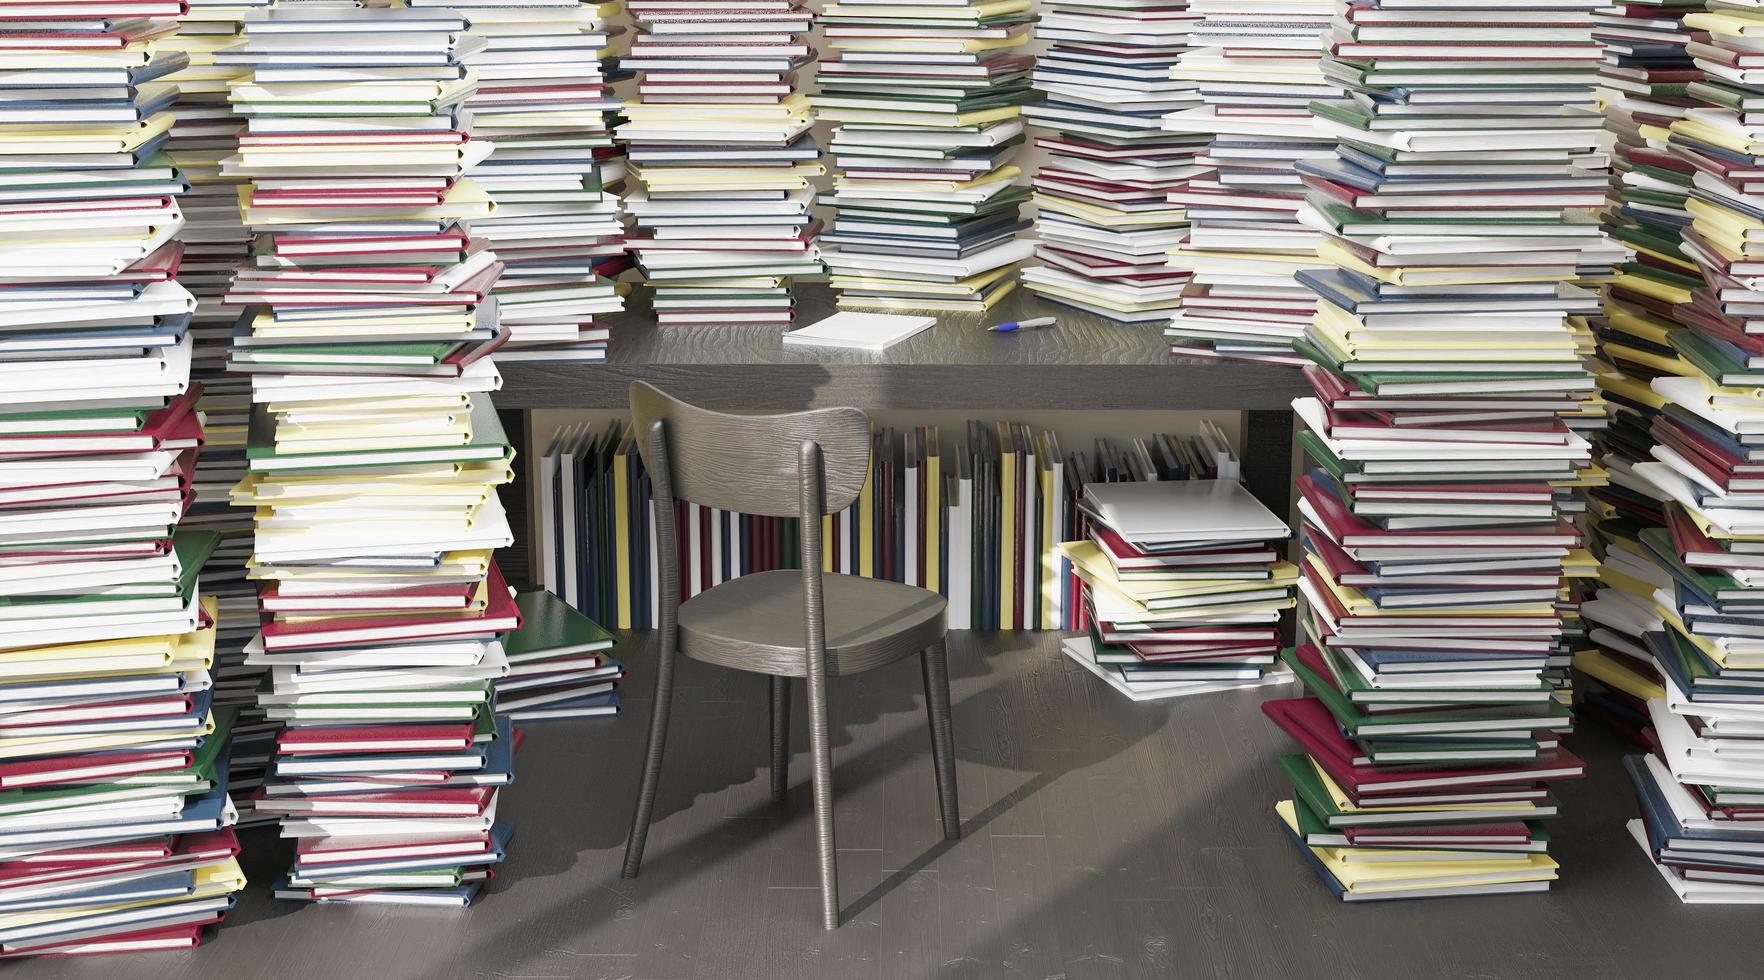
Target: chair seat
<point>755,623</point>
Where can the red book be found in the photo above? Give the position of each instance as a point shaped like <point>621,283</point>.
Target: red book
<point>1311,725</point>
<point>325,739</point>
<point>501,616</point>
<point>100,766</point>
<point>414,599</point>
<point>1352,532</point>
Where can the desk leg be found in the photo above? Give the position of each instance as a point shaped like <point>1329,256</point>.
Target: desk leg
<point>1267,472</point>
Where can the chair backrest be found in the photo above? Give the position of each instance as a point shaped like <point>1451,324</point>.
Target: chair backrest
<point>752,464</point>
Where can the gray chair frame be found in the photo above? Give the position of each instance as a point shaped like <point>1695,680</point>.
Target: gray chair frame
<point>804,465</point>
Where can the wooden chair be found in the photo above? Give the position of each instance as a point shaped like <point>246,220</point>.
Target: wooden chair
<point>803,465</point>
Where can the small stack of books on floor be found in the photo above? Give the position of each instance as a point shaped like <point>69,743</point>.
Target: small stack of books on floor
<point>718,138</point>
<point>1184,588</point>
<point>1102,215</point>
<point>926,98</point>
<point>375,453</point>
<point>559,664</point>
<point>115,824</point>
<point>1257,68</point>
<point>544,101</point>
<point>974,517</point>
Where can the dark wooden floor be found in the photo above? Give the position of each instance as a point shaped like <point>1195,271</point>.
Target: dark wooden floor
<point>1102,840</point>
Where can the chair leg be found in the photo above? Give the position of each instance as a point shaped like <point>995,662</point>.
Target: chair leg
<point>821,758</point>
<point>780,737</point>
<point>652,755</point>
<point>935,664</point>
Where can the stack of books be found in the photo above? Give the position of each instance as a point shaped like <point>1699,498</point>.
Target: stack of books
<point>1102,214</point>
<point>1646,77</point>
<point>1452,399</point>
<point>1184,588</point>
<point>1257,67</point>
<point>926,98</point>
<point>215,241</point>
<point>719,139</point>
<point>115,834</point>
<point>545,101</point>
<point>375,453</point>
<point>974,516</point>
<point>559,664</point>
<point>1701,788</point>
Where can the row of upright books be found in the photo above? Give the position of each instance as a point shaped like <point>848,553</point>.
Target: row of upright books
<point>976,518</point>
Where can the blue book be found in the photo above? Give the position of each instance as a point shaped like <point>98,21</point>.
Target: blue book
<point>172,884</point>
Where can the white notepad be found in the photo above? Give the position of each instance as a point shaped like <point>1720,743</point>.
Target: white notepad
<point>860,331</point>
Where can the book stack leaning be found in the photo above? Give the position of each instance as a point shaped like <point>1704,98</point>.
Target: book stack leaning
<point>1101,210</point>
<point>375,454</point>
<point>1183,587</point>
<point>1451,393</point>
<point>1701,788</point>
<point>115,825</point>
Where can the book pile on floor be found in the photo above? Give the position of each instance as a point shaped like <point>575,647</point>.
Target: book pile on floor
<point>1451,393</point>
<point>115,824</point>
<point>1257,68</point>
<point>926,98</point>
<point>974,517</point>
<point>1102,215</point>
<point>719,140</point>
<point>559,664</point>
<point>375,454</point>
<point>544,100</point>
<point>1183,585</point>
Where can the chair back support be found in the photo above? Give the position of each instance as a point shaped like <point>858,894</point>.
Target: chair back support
<point>752,464</point>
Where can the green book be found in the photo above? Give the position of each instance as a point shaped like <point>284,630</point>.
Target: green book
<point>1360,724</point>
<point>550,628</point>
<point>1715,362</point>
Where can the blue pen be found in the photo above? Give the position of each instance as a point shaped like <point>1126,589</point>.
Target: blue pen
<point>1014,325</point>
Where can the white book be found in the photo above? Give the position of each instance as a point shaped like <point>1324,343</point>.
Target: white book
<point>961,570</point>
<point>859,331</point>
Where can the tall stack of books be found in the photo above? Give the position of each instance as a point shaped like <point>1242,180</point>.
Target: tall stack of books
<point>1646,76</point>
<point>1257,67</point>
<point>544,100</point>
<point>215,241</point>
<point>1451,391</point>
<point>1701,788</point>
<point>719,139</point>
<point>927,99</point>
<point>116,833</point>
<point>1183,588</point>
<point>375,453</point>
<point>1102,214</point>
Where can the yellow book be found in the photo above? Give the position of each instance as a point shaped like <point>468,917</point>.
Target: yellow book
<point>85,137</point>
<point>1733,23</point>
<point>1610,670</point>
<point>18,748</point>
<point>1050,556</point>
<point>1371,878</point>
<point>965,287</point>
<point>936,120</point>
<point>991,300</point>
<point>211,881</point>
<point>933,511</point>
<point>622,526</point>
<point>1094,299</point>
<point>1107,216</point>
<point>1653,287</point>
<point>1089,556</point>
<point>1007,521</point>
<point>826,542</point>
<point>1110,587</point>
